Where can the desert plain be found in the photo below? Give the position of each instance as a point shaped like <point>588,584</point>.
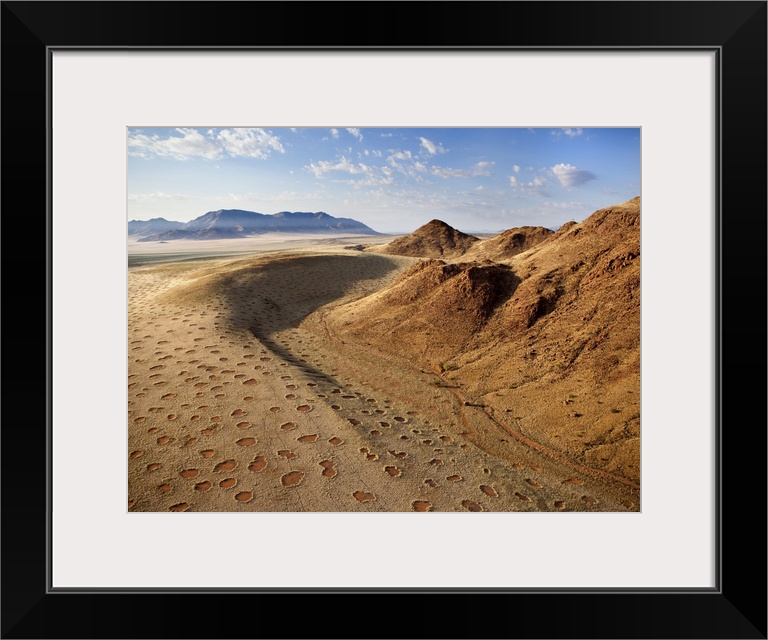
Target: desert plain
<point>434,372</point>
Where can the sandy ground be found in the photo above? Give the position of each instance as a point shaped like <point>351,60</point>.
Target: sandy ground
<point>240,398</point>
<point>265,242</point>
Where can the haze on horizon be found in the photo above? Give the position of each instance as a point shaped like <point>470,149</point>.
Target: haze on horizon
<point>391,179</point>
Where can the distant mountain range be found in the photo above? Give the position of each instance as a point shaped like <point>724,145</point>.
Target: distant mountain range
<point>236,223</point>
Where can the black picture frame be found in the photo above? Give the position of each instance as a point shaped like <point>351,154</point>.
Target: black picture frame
<point>736,608</point>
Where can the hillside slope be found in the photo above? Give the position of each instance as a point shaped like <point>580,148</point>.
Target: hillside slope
<point>508,243</point>
<point>547,340</point>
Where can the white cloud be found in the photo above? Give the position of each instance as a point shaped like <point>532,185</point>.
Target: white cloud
<point>563,204</point>
<point>335,133</point>
<point>371,180</point>
<point>399,155</point>
<point>537,186</point>
<point>355,132</point>
<point>571,176</point>
<point>191,143</point>
<point>446,172</point>
<point>516,168</point>
<point>249,143</point>
<point>370,175</point>
<point>326,166</point>
<point>571,132</point>
<point>478,170</point>
<point>431,147</point>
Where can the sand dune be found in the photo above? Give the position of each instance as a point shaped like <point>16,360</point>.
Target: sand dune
<point>242,396</point>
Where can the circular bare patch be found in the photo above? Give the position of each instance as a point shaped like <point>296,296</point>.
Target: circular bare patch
<point>258,464</point>
<point>292,479</point>
<point>471,506</point>
<point>328,470</point>
<point>227,465</point>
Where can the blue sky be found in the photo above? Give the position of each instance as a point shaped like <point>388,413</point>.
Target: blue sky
<point>393,180</point>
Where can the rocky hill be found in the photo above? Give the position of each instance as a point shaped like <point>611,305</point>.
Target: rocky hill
<point>509,243</point>
<point>436,239</point>
<point>549,339</point>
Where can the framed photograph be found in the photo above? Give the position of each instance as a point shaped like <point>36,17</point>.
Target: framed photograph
<point>125,111</point>
<point>314,362</point>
